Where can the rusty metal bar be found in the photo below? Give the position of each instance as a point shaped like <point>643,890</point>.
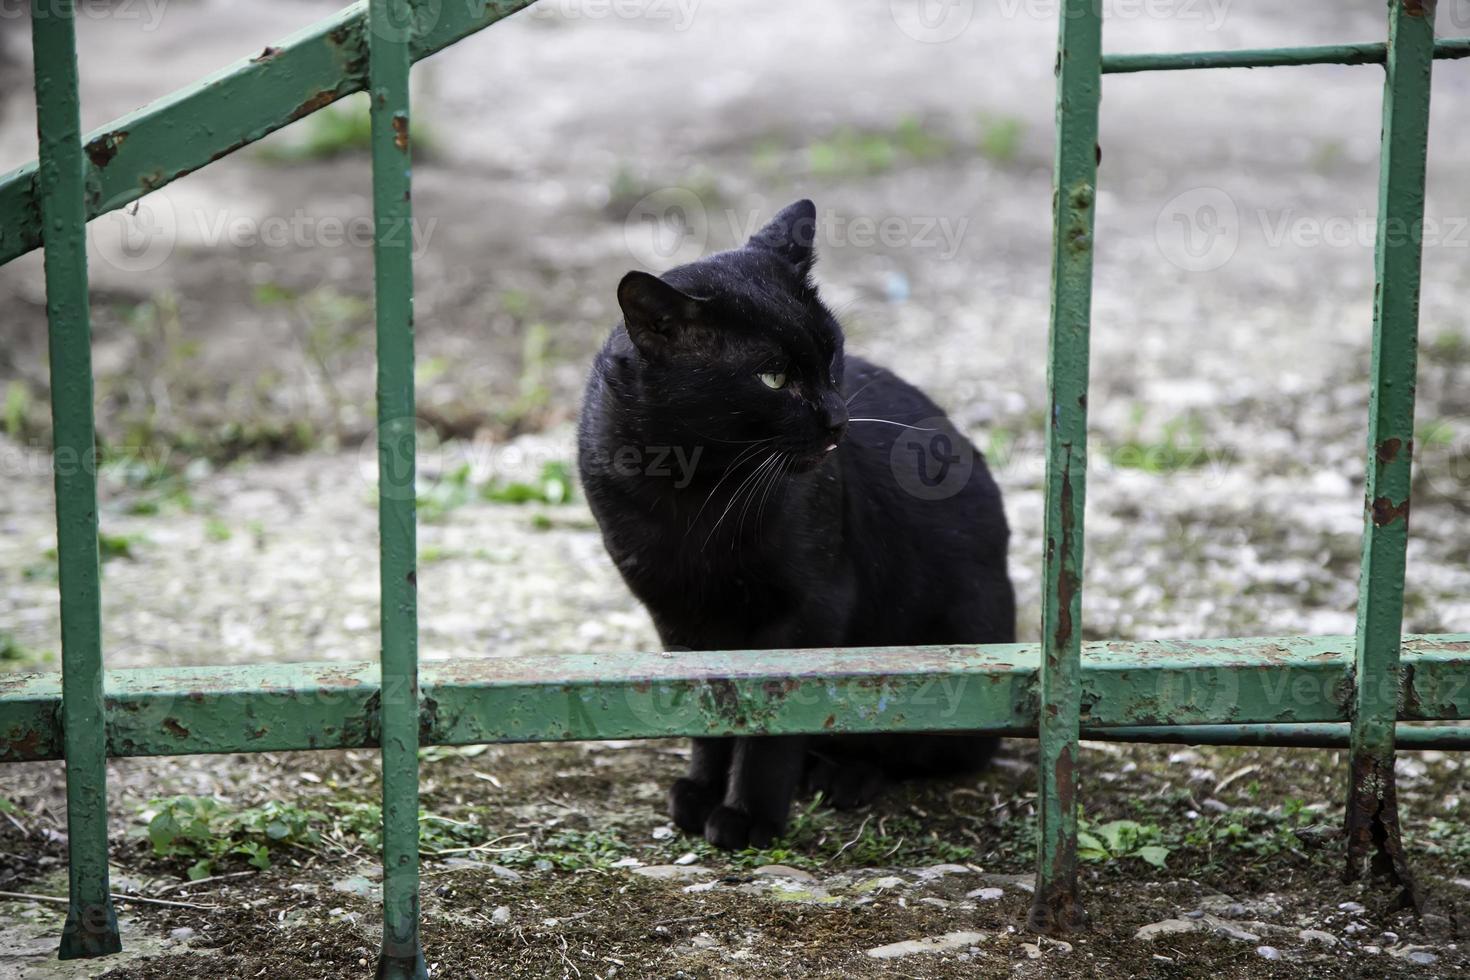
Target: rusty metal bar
<point>1329,54</point>
<point>191,128</point>
<point>91,922</point>
<point>1323,736</point>
<point>1373,838</point>
<point>1057,906</point>
<point>390,24</point>
<point>532,698</point>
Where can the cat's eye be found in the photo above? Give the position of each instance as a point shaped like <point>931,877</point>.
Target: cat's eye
<point>773,379</point>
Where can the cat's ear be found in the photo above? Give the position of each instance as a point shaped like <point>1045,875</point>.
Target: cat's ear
<point>792,234</point>
<point>654,312</point>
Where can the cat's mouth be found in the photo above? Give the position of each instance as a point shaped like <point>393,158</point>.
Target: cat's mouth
<point>807,461</point>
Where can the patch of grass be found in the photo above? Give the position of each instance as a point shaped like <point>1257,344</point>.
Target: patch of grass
<point>205,833</point>
<point>217,530</point>
<point>1118,840</point>
<point>553,485</point>
<point>851,152</point>
<point>14,654</point>
<point>1448,347</point>
<point>1000,137</point>
<point>1180,445</point>
<point>15,415</point>
<point>114,546</point>
<point>819,838</point>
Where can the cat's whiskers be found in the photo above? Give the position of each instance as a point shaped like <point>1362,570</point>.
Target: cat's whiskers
<point>735,497</point>
<point>762,490</point>
<point>901,425</point>
<point>777,480</point>
<point>744,455</point>
<point>853,397</point>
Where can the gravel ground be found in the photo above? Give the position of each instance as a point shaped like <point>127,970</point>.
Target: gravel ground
<point>1232,317</point>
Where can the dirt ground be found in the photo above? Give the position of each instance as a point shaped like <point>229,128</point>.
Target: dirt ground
<point>233,352</point>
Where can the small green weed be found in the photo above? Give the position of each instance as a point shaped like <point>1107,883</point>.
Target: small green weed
<point>1117,840</point>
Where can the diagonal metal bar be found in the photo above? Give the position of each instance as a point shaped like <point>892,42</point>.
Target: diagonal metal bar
<point>91,923</point>
<point>390,25</point>
<point>1373,836</point>
<point>1057,907</point>
<point>234,107</point>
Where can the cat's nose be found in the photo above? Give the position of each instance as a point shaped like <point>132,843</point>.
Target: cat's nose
<point>834,417</point>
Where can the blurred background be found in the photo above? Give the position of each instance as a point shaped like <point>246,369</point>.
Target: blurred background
<point>233,351</point>
<point>581,138</point>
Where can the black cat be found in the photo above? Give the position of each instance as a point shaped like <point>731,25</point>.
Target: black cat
<point>758,489</point>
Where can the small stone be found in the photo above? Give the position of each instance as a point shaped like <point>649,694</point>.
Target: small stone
<point>1168,927</point>
<point>1372,949</point>
<point>1317,936</point>
<point>1216,806</point>
<point>688,857</point>
<point>353,885</point>
<point>668,871</point>
<point>627,862</point>
<point>1268,952</point>
<point>1390,938</point>
<point>1420,955</point>
<point>1352,908</point>
<point>500,871</point>
<point>879,884</point>
<point>946,943</point>
<point>782,871</point>
<point>663,833</point>
<point>987,894</point>
<point>182,934</point>
<point>1032,951</point>
<point>940,870</point>
<point>501,915</point>
<point>1353,928</point>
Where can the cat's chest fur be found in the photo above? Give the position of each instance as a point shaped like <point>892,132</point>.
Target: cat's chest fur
<point>718,568</point>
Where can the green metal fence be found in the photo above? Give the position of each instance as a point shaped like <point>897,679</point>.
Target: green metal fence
<point>1309,691</point>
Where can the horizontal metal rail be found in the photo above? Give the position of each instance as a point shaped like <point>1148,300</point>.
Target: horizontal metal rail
<point>1327,54</point>
<point>232,108</point>
<point>283,707</point>
<point>1322,736</point>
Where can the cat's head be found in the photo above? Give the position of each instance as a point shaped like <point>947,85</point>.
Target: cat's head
<point>737,350</point>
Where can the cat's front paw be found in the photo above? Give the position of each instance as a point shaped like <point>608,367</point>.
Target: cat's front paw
<point>690,803</point>
<point>734,830</point>
<point>845,784</point>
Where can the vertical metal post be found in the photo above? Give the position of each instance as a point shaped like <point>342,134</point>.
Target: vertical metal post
<point>1372,810</point>
<point>390,25</point>
<point>91,923</point>
<point>1057,906</point>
